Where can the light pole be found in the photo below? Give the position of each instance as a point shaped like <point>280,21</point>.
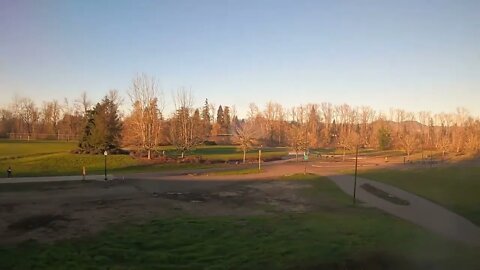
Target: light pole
<point>305,160</point>
<point>305,154</point>
<point>356,165</point>
<point>355,180</point>
<point>105,155</point>
<point>260,158</point>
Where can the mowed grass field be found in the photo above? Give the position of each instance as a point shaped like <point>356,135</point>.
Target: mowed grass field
<point>334,236</point>
<point>47,158</point>
<point>17,149</point>
<point>455,187</point>
<point>228,152</point>
<point>42,158</point>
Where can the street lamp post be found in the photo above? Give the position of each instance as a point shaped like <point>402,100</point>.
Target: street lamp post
<point>260,158</point>
<point>356,165</point>
<point>105,155</point>
<point>305,154</point>
<point>355,180</point>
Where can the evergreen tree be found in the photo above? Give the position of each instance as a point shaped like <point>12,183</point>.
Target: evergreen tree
<point>384,138</point>
<point>206,125</point>
<point>197,124</point>
<point>85,141</point>
<point>103,128</point>
<point>220,118</point>
<point>226,119</point>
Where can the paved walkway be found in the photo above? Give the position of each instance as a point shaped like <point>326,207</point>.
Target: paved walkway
<point>420,211</point>
<point>54,179</point>
<point>146,175</point>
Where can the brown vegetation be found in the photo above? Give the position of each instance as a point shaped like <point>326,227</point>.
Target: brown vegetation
<point>302,127</point>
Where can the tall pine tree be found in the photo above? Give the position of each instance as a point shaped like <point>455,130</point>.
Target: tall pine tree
<point>226,120</point>
<point>220,119</point>
<point>206,125</point>
<point>102,131</point>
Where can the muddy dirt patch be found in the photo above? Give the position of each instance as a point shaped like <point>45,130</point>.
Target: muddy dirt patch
<point>96,208</point>
<point>183,196</point>
<point>36,222</point>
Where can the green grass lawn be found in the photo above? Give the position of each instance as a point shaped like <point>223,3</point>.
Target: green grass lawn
<point>228,152</point>
<point>45,158</point>
<point>12,148</point>
<point>346,238</point>
<point>310,241</point>
<point>457,188</point>
<point>361,152</point>
<point>65,164</point>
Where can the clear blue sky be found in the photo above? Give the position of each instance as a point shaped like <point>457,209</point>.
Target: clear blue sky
<point>417,55</point>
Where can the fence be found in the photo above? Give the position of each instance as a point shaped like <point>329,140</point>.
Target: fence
<point>42,136</point>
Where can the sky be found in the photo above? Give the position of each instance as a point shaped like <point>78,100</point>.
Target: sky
<point>411,54</point>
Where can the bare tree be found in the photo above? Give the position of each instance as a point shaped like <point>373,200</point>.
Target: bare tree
<point>297,138</point>
<point>328,116</point>
<point>83,102</point>
<point>253,111</point>
<point>270,117</point>
<point>29,115</point>
<point>73,120</point>
<point>367,114</point>
<point>298,130</point>
<point>472,131</point>
<point>183,133</point>
<point>443,140</point>
<point>409,142</point>
<point>51,116</point>
<point>145,118</point>
<point>245,136</point>
<point>347,139</point>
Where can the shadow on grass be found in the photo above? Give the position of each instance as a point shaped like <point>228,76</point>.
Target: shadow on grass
<point>384,195</point>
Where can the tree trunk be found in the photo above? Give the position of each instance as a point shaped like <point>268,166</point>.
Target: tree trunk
<point>183,154</point>
<point>244,155</point>
<point>149,154</point>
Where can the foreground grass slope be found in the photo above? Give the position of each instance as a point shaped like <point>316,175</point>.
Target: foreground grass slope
<point>333,236</point>
<point>361,240</point>
<point>457,188</point>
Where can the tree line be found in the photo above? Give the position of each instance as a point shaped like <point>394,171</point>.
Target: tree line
<point>146,125</point>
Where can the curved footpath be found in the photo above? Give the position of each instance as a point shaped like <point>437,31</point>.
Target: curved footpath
<point>420,211</point>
